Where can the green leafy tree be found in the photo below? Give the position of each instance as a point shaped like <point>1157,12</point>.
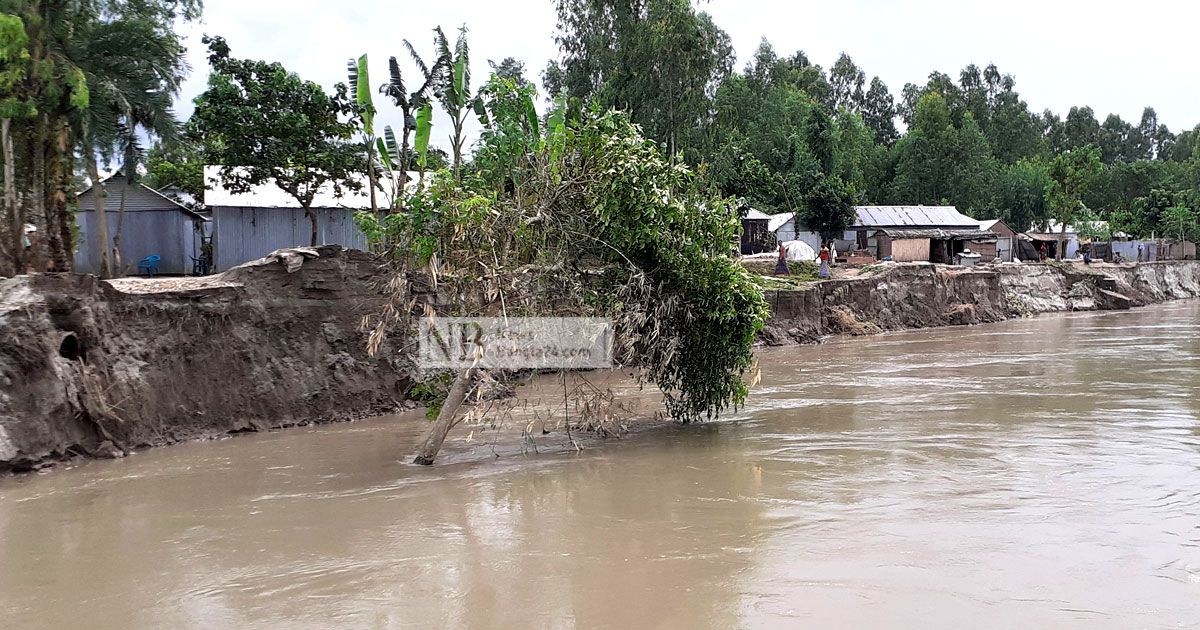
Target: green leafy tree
<point>1080,129</point>
<point>134,68</point>
<point>1020,194</point>
<point>1070,175</point>
<point>14,61</point>
<point>511,131</point>
<point>846,80</point>
<point>647,244</point>
<point>1180,222</point>
<point>659,60</point>
<point>177,165</point>
<point>263,125</point>
<point>46,105</point>
<point>879,113</point>
<point>829,208</point>
<point>937,163</point>
<point>510,68</point>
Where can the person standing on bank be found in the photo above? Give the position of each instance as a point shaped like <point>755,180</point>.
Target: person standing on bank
<point>823,272</point>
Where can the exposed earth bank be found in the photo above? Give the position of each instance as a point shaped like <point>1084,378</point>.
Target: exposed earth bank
<point>91,368</point>
<point>921,295</point>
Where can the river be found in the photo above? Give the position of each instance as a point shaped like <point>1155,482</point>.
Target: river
<point>1041,472</point>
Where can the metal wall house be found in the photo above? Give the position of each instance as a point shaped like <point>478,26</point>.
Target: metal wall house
<point>241,234</point>
<point>153,225</point>
<point>250,224</point>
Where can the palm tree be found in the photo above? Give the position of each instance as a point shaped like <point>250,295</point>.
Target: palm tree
<point>134,69</point>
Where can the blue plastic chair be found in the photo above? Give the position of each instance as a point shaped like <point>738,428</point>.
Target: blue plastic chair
<point>149,265</point>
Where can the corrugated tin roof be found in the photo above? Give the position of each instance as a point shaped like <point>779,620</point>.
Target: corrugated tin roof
<point>1054,227</point>
<point>915,216</point>
<point>986,226</point>
<point>270,196</point>
<point>756,215</point>
<point>779,220</point>
<point>940,233</point>
<point>144,199</point>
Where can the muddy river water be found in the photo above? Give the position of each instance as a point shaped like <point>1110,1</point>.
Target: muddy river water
<point>1037,473</point>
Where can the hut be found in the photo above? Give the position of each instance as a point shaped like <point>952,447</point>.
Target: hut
<point>1005,246</point>
<point>914,233</point>
<point>150,225</point>
<point>755,233</point>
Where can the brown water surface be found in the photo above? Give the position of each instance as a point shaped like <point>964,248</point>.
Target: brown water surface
<point>1040,473</point>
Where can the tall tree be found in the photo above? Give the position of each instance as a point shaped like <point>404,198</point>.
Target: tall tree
<point>879,113</point>
<point>134,68</point>
<point>846,80</point>
<point>1070,175</point>
<point>1081,128</point>
<point>1021,194</point>
<point>265,125</point>
<point>1114,136</point>
<point>56,91</point>
<point>14,59</point>
<point>659,60</point>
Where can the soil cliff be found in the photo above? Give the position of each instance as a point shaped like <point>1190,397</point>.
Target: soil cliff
<point>921,295</point>
<point>93,368</point>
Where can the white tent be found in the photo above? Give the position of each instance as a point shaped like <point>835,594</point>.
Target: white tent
<point>799,250</point>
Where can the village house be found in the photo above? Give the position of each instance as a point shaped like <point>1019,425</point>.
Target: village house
<point>249,225</point>
<point>915,233</point>
<point>1005,246</point>
<point>755,233</point>
<point>153,227</point>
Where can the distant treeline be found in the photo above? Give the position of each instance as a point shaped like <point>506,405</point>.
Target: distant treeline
<point>773,131</point>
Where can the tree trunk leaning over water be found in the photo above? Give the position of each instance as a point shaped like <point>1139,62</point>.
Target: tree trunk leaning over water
<point>446,418</point>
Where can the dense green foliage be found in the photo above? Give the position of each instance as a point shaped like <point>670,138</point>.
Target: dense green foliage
<point>585,216</point>
<point>81,81</point>
<point>761,136</point>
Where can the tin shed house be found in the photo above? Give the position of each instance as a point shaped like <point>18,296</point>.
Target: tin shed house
<point>915,233</point>
<point>247,226</point>
<point>151,225</point>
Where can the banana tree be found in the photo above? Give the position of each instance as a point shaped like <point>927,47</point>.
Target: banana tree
<point>360,87</point>
<point>455,94</point>
<point>410,103</point>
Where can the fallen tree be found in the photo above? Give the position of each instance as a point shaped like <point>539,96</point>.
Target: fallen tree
<point>578,217</point>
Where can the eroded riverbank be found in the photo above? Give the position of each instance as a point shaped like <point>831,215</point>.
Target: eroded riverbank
<point>95,369</point>
<point>1035,472</point>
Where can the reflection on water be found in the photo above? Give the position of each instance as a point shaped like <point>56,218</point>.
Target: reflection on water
<point>1040,472</point>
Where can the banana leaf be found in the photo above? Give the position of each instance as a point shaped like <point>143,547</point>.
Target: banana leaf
<point>384,156</point>
<point>361,83</point>
<point>424,127</point>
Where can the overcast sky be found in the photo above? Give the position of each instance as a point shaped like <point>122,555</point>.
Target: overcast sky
<point>1114,56</point>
